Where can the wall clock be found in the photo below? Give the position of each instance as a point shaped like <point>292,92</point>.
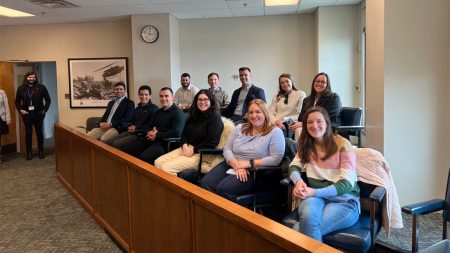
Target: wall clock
<point>149,34</point>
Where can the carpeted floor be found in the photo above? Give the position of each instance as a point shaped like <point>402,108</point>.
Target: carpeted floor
<point>37,214</point>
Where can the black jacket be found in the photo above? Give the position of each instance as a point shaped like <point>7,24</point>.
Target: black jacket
<point>253,93</point>
<point>330,102</point>
<point>39,97</point>
<point>124,114</point>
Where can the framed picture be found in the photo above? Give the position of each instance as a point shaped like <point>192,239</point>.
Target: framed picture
<point>92,80</point>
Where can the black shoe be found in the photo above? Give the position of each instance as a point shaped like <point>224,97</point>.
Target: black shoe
<point>41,155</point>
<point>29,156</point>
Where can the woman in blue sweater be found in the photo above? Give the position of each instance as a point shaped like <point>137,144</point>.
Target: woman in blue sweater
<point>253,144</point>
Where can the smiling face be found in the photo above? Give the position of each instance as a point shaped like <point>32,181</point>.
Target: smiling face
<point>316,126</point>
<point>320,84</point>
<point>165,98</point>
<point>203,102</point>
<point>31,79</point>
<point>286,84</point>
<point>119,90</point>
<point>144,96</point>
<point>256,116</point>
<point>185,81</point>
<point>246,77</point>
<point>213,81</point>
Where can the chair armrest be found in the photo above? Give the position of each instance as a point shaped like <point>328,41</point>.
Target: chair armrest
<point>172,139</point>
<point>425,207</point>
<point>286,181</point>
<point>264,168</point>
<point>377,194</point>
<point>349,128</point>
<point>210,151</point>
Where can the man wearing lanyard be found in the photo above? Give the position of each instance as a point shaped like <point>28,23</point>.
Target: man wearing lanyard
<point>117,117</point>
<point>32,102</point>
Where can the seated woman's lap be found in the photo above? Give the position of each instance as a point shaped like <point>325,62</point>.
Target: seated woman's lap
<point>225,185</point>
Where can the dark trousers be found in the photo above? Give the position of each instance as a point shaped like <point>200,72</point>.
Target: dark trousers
<point>36,120</point>
<point>140,147</point>
<point>225,185</point>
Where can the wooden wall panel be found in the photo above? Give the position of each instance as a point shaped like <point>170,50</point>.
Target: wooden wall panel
<point>160,218</point>
<point>63,144</point>
<point>111,194</point>
<point>82,173</point>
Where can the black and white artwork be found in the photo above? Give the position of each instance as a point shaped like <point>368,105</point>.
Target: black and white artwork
<point>92,80</point>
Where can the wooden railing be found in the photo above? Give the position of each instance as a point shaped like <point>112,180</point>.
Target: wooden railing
<point>148,210</point>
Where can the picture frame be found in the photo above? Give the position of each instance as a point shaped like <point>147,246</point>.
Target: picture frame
<point>92,80</point>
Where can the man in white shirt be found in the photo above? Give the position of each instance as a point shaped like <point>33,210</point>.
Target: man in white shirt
<point>185,94</point>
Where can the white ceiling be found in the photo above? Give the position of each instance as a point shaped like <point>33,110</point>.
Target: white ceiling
<point>98,10</point>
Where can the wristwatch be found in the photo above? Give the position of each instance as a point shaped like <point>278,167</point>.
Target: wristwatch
<point>252,163</point>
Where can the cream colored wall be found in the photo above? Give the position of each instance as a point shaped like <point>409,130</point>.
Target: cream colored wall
<point>155,64</point>
<point>58,42</point>
<point>416,97</point>
<point>337,43</point>
<point>269,45</point>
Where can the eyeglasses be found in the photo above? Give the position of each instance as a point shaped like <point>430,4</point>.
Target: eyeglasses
<point>322,82</point>
<point>203,100</point>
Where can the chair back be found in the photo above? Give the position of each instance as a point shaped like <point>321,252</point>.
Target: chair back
<point>92,122</point>
<point>447,199</point>
<point>351,116</point>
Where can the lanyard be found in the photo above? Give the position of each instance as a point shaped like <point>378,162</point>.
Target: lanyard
<point>30,96</point>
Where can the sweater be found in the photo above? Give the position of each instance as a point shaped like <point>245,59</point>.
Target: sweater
<point>289,111</point>
<point>202,131</point>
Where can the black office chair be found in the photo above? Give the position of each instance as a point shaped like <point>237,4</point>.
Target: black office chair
<point>351,119</point>
<point>91,123</point>
<point>427,207</point>
<point>361,237</point>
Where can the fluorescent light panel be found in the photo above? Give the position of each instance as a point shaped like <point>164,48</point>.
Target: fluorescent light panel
<point>280,2</point>
<point>13,13</point>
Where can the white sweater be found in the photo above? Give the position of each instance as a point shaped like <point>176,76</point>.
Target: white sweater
<point>4,108</point>
<point>291,110</point>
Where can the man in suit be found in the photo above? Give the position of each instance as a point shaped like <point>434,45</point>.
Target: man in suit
<point>118,114</point>
<point>238,106</point>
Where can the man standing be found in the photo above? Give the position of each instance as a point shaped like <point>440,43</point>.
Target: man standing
<point>185,94</point>
<point>238,106</point>
<point>32,102</point>
<point>168,122</point>
<point>119,112</point>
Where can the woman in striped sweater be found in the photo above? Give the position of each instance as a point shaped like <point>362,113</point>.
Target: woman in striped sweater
<point>329,200</point>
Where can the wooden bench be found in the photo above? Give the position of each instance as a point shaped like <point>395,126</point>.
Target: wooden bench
<point>148,210</point>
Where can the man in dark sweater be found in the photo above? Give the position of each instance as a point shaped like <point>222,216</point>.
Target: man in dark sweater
<point>167,122</point>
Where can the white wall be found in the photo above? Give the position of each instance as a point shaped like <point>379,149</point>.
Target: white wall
<point>58,42</point>
<point>416,92</point>
<point>269,45</point>
<point>337,46</point>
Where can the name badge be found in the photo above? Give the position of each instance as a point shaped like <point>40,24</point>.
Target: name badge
<point>31,108</point>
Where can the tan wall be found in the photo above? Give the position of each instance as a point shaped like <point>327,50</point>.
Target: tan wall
<point>58,42</point>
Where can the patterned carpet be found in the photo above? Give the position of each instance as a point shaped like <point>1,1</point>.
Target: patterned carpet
<point>37,214</point>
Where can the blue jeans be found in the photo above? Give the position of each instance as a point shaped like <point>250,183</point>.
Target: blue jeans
<point>318,216</point>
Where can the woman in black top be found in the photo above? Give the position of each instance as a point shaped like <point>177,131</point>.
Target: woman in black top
<point>202,130</point>
<point>321,95</point>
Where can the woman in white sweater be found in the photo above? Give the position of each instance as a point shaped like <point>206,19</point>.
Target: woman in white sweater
<point>5,117</point>
<point>287,103</point>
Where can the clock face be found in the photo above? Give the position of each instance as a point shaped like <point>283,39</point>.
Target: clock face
<point>149,34</point>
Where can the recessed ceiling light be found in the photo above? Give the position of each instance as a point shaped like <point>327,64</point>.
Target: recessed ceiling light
<point>280,2</point>
<point>13,13</point>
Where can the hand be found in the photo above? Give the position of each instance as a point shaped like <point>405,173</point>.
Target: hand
<point>151,135</point>
<point>105,125</point>
<point>241,174</point>
<point>300,189</point>
<point>279,123</point>
<point>132,129</point>
<point>188,150</point>
<point>295,125</point>
<point>23,112</point>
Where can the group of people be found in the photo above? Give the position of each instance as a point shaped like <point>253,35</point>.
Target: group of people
<point>329,195</point>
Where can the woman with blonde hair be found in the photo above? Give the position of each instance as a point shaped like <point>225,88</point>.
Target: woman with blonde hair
<point>258,142</point>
